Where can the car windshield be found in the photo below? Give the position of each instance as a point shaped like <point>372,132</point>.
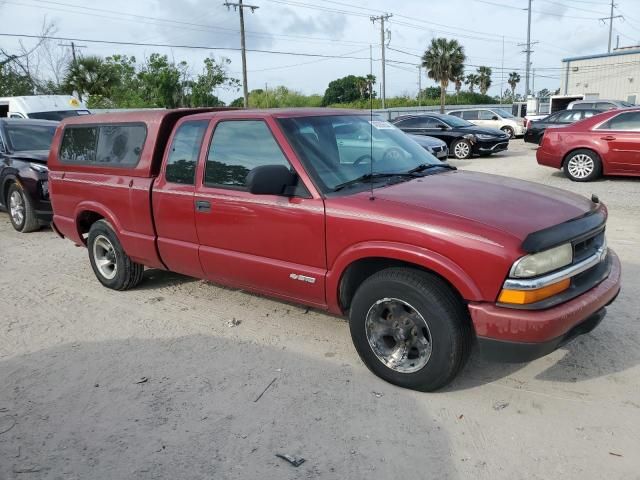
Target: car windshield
<point>455,121</point>
<point>58,115</point>
<point>30,137</point>
<point>503,113</point>
<point>338,149</point>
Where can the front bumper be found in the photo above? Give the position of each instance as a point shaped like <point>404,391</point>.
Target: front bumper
<point>442,153</point>
<point>491,147</point>
<point>513,335</point>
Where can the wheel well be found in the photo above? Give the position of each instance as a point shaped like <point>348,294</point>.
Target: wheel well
<point>360,270</point>
<point>564,159</point>
<point>84,222</point>
<point>5,190</point>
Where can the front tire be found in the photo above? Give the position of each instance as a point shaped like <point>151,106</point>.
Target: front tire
<point>582,166</point>
<point>461,149</point>
<point>410,328</point>
<point>21,211</point>
<point>509,131</point>
<point>111,265</point>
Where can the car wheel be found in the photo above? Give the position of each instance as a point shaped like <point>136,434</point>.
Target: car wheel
<point>509,131</point>
<point>21,212</point>
<point>583,166</point>
<point>410,328</point>
<point>111,265</point>
<point>461,149</point>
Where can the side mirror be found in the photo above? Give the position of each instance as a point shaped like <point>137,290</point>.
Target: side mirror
<point>271,180</point>
<point>495,117</point>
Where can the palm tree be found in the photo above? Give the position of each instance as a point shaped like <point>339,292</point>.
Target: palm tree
<point>514,79</point>
<point>458,81</point>
<point>472,80</point>
<point>484,79</point>
<point>90,75</point>
<point>444,61</point>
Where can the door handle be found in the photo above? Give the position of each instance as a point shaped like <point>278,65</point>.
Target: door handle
<point>608,138</point>
<point>203,206</point>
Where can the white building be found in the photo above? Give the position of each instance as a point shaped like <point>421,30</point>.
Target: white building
<point>610,76</point>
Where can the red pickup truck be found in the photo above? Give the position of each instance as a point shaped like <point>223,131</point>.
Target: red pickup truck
<point>341,211</point>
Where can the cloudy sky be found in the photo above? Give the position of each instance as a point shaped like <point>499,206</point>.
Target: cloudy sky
<point>563,28</point>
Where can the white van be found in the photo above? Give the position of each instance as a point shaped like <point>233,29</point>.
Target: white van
<point>493,118</point>
<point>43,107</point>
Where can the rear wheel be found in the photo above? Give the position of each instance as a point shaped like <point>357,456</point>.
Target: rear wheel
<point>461,149</point>
<point>509,131</point>
<point>583,166</point>
<point>410,328</point>
<point>21,212</point>
<point>111,265</point>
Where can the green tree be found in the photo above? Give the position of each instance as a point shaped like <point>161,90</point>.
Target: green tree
<point>514,79</point>
<point>458,80</point>
<point>281,96</point>
<point>348,89</point>
<point>472,80</point>
<point>91,76</point>
<point>484,79</point>
<point>544,93</point>
<point>160,81</point>
<point>238,102</point>
<point>14,83</point>
<point>444,61</point>
<point>214,75</point>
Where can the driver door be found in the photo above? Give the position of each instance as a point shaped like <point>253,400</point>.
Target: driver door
<point>266,243</point>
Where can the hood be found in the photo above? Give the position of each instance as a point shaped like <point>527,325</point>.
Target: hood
<point>38,156</point>
<point>512,206</point>
<point>426,141</point>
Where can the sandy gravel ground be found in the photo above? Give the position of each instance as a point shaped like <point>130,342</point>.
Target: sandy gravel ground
<point>157,383</point>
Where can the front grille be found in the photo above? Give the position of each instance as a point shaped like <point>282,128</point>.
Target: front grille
<point>587,247</point>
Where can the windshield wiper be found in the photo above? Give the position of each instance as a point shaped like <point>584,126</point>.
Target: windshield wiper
<point>369,177</point>
<point>426,166</point>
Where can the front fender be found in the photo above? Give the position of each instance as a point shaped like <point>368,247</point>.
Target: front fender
<point>422,257</point>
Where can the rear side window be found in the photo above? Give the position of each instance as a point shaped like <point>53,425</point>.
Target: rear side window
<point>183,156</point>
<point>486,115</point>
<point>456,114</point>
<point>470,115</point>
<point>104,145</point>
<point>414,122</point>
<point>583,106</point>
<point>605,106</point>
<point>237,147</point>
<point>629,121</point>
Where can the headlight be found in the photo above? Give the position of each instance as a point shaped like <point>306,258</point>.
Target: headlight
<point>470,136</point>
<point>38,167</point>
<point>44,185</point>
<point>543,262</point>
<point>482,136</point>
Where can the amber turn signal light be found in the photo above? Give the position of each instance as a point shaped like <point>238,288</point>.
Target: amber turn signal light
<point>524,297</point>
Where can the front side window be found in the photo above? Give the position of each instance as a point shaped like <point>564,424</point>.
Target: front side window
<point>503,113</point>
<point>237,147</point>
<point>105,145</point>
<point>486,115</point>
<point>413,122</point>
<point>374,146</point>
<point>183,155</point>
<point>629,121</point>
<point>583,106</point>
<point>30,137</point>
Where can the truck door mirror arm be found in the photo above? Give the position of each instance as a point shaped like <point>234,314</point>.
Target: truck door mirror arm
<point>271,180</point>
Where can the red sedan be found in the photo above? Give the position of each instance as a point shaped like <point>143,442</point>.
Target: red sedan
<point>606,144</point>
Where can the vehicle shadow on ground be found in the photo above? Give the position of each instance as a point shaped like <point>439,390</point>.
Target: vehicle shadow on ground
<point>155,279</point>
<point>207,407</point>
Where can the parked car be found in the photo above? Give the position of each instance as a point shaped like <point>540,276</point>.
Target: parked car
<point>434,146</point>
<point>425,260</point>
<point>24,189</point>
<point>494,118</point>
<point>605,144</point>
<point>601,105</point>
<point>42,107</point>
<point>559,119</point>
<point>464,139</point>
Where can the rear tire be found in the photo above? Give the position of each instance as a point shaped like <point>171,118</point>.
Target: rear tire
<point>582,166</point>
<point>21,211</point>
<point>461,149</point>
<point>410,328</point>
<point>111,265</point>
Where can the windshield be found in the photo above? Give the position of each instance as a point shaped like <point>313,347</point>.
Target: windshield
<point>337,149</point>
<point>30,137</point>
<point>59,115</point>
<point>503,113</point>
<point>454,121</point>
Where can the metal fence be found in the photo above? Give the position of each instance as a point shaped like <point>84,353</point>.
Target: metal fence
<point>395,112</point>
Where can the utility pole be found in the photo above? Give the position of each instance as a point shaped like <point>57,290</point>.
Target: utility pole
<point>611,18</point>
<point>240,7</point>
<point>502,74</point>
<point>382,19</point>
<point>533,83</point>
<point>419,85</point>
<point>73,55</point>
<point>528,52</point>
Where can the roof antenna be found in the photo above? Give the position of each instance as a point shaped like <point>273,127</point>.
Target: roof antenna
<point>371,197</point>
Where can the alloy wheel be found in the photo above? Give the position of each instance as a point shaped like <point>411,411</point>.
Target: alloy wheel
<point>462,150</point>
<point>104,256</point>
<point>580,166</point>
<point>17,208</point>
<point>398,335</point>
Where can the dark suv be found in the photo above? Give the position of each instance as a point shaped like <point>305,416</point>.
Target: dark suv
<point>24,188</point>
